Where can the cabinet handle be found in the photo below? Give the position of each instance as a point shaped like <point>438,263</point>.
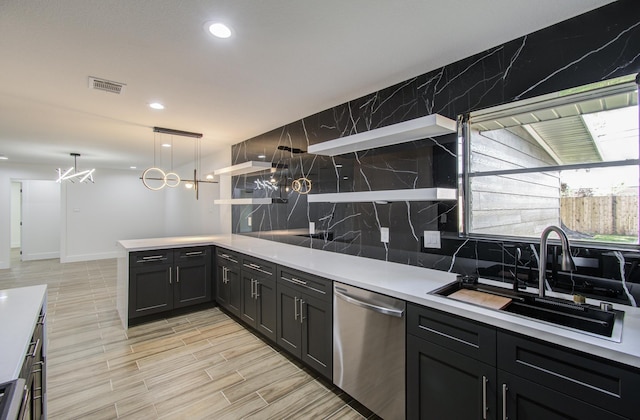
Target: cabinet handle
<point>295,307</point>
<point>504,402</point>
<point>152,258</point>
<point>170,274</point>
<point>484,397</point>
<point>302,318</point>
<point>178,274</point>
<point>257,294</point>
<point>42,318</point>
<point>228,257</point>
<point>35,349</point>
<point>193,254</point>
<point>253,295</point>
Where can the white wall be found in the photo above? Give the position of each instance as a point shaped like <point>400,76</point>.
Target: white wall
<point>118,206</point>
<point>15,214</point>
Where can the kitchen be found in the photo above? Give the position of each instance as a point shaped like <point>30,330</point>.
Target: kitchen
<point>505,60</point>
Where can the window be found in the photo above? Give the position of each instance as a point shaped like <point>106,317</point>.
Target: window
<point>568,159</point>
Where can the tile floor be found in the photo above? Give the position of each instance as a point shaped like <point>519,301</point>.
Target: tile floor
<point>198,366</point>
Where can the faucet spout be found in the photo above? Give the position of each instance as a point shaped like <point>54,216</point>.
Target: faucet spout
<point>566,263</point>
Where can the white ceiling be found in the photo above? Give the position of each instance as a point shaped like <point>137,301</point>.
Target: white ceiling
<point>286,60</point>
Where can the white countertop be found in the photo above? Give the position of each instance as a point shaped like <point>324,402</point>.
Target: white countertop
<point>19,312</point>
<point>412,284</point>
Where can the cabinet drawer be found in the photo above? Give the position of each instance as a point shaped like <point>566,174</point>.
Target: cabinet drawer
<point>146,258</point>
<point>192,254</point>
<point>224,256</point>
<point>308,283</point>
<point>461,335</point>
<point>582,376</point>
<point>259,267</point>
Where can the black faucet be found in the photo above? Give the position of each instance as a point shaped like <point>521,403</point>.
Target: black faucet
<point>516,282</point>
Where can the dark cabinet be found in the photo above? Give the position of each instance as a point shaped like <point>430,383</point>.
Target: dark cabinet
<point>305,318</point>
<point>571,384</point>
<point>228,286</point>
<point>33,372</point>
<point>167,279</point>
<point>460,369</point>
<point>523,399</point>
<point>451,371</point>
<point>258,291</point>
<point>150,282</point>
<point>193,276</point>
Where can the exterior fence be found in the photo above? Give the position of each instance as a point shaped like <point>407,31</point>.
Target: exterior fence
<point>606,215</point>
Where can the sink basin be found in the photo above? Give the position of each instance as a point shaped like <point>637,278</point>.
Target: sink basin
<point>583,318</point>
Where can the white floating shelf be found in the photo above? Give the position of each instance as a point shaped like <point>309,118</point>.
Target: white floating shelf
<point>250,201</point>
<point>244,168</point>
<point>419,194</point>
<point>243,201</point>
<point>419,128</point>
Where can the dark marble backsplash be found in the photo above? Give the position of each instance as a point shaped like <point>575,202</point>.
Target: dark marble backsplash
<point>598,45</point>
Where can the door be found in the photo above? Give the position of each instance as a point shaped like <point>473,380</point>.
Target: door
<point>248,305</point>
<point>289,329</point>
<point>40,220</point>
<point>222,288</point>
<point>317,328</point>
<point>193,277</point>
<point>150,290</point>
<point>266,311</point>
<point>523,399</point>
<point>443,384</point>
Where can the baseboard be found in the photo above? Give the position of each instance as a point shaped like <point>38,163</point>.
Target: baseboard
<point>40,256</point>
<point>89,257</point>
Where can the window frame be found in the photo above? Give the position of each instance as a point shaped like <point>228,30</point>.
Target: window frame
<point>623,84</point>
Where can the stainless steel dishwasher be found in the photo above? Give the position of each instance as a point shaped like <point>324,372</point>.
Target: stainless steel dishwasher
<point>369,349</point>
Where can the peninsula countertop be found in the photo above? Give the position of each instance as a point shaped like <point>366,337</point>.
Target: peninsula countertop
<point>19,313</point>
<point>410,283</point>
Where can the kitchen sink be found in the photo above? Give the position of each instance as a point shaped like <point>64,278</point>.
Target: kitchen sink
<point>583,318</point>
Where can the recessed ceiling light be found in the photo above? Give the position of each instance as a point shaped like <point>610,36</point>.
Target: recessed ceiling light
<point>261,156</point>
<point>156,105</point>
<point>166,145</point>
<point>209,177</point>
<point>219,30</point>
<point>3,157</point>
<point>132,167</point>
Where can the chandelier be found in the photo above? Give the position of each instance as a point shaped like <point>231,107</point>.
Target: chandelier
<point>72,173</point>
<point>155,178</point>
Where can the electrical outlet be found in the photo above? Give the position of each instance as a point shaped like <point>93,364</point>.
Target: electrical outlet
<point>384,235</point>
<point>249,221</point>
<point>432,239</point>
<point>312,228</point>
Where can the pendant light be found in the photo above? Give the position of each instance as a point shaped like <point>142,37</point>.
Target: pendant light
<point>72,173</point>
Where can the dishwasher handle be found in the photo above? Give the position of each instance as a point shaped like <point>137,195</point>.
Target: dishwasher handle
<point>398,313</point>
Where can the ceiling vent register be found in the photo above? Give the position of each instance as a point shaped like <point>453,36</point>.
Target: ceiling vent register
<point>106,85</point>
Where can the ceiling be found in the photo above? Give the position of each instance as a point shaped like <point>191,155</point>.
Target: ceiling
<point>285,60</point>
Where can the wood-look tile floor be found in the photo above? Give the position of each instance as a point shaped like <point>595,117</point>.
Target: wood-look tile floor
<point>201,365</point>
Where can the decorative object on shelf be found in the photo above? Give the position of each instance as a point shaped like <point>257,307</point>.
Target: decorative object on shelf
<point>416,129</point>
<point>301,185</point>
<point>71,173</point>
<point>171,179</point>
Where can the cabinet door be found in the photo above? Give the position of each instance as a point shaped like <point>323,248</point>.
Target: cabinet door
<point>235,290</point>
<point>266,312</point>
<point>193,276</point>
<point>222,289</point>
<point>150,290</point>
<point>443,384</point>
<point>289,330</point>
<point>317,331</point>
<point>248,304</point>
<point>527,400</point>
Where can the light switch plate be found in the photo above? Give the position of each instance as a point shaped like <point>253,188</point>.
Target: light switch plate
<point>312,228</point>
<point>384,235</point>
<point>432,239</point>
